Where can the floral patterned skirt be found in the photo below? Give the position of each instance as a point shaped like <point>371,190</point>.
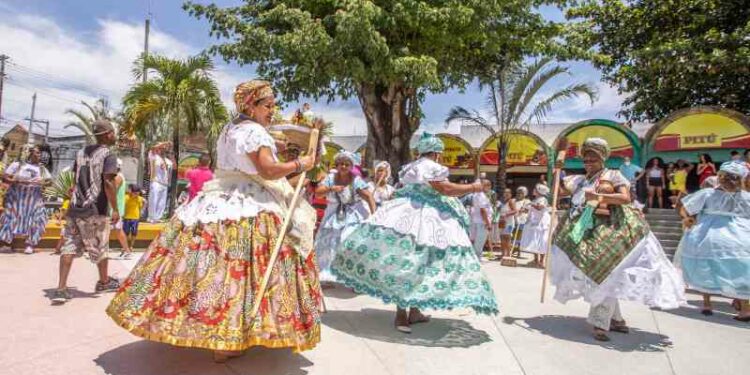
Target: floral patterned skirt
<point>415,252</point>
<point>195,287</point>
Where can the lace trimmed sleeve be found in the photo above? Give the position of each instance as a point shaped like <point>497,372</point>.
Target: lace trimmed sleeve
<point>251,138</point>
<point>359,184</point>
<point>434,172</point>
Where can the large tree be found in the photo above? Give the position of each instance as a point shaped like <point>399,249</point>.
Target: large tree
<point>517,96</point>
<point>387,54</point>
<point>179,96</point>
<point>669,54</point>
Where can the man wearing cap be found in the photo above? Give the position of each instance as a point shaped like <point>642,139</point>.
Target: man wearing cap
<point>88,224</point>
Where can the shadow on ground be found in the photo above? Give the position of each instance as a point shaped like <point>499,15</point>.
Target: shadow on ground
<point>723,313</point>
<point>74,292</point>
<point>339,291</point>
<point>375,324</point>
<point>146,357</point>
<point>576,329</point>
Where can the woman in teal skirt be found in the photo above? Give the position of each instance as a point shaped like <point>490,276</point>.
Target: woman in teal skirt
<point>414,251</point>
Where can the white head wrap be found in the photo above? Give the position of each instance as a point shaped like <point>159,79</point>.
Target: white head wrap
<point>735,168</point>
<point>542,190</point>
<point>522,189</point>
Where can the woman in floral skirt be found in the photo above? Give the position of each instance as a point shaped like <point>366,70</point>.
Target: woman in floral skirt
<point>196,284</point>
<point>414,251</point>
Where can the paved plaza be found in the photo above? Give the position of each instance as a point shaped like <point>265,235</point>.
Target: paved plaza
<point>527,337</point>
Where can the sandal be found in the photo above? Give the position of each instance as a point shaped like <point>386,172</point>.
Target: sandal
<point>421,319</point>
<point>619,327</point>
<point>599,335</point>
<point>707,312</point>
<point>744,319</point>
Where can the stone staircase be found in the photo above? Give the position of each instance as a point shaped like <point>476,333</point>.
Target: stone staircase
<point>667,226</point>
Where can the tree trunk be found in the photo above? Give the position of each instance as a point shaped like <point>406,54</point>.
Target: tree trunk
<point>502,167</point>
<point>391,121</point>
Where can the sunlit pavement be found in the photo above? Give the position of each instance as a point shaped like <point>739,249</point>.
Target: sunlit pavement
<point>358,336</point>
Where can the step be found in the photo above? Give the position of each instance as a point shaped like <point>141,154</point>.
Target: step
<point>662,217</point>
<point>662,211</point>
<point>665,222</point>
<point>669,243</point>
<point>676,236</point>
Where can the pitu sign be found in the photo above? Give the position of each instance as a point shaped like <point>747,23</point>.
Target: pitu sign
<point>702,131</point>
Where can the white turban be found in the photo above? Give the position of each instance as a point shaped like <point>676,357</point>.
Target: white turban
<point>542,190</point>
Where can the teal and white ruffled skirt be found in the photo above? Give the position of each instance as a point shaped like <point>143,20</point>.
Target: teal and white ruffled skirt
<point>415,252</point>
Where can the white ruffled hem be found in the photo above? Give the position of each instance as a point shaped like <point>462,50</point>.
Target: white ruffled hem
<point>237,202</point>
<point>427,225</point>
<point>645,276</point>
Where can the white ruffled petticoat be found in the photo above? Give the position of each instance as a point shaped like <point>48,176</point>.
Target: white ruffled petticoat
<point>644,276</point>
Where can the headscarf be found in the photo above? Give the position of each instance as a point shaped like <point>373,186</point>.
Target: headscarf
<point>737,169</point>
<point>542,189</point>
<point>598,146</point>
<point>523,189</point>
<point>429,143</point>
<point>710,182</point>
<point>352,157</point>
<point>387,166</point>
<point>252,91</point>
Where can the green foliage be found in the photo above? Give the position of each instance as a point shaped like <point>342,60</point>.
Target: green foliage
<point>668,54</point>
<point>61,185</point>
<point>179,96</point>
<point>84,121</point>
<point>328,48</point>
<point>514,101</point>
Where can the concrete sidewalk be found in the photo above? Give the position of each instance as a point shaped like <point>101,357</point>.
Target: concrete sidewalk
<point>358,336</point>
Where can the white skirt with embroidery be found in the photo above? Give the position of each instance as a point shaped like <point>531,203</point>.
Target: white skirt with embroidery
<point>645,275</point>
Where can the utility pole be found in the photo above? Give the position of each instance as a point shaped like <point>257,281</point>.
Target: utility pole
<point>142,156</point>
<point>2,80</point>
<point>31,119</point>
<point>46,129</point>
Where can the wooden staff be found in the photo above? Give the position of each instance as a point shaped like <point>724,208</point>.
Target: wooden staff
<point>562,148</point>
<point>312,149</point>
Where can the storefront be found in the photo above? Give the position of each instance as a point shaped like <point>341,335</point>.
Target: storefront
<point>527,158</point>
<point>458,156</point>
<point>687,133</point>
<point>622,141</point>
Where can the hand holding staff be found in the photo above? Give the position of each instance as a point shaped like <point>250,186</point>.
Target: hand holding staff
<point>260,293</point>
<point>562,150</point>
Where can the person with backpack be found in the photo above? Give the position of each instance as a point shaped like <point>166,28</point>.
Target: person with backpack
<point>88,224</point>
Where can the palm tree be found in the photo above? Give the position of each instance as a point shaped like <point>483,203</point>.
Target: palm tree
<point>514,103</point>
<point>180,96</point>
<point>84,121</point>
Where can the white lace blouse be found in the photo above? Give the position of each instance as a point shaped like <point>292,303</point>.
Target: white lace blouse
<point>236,141</point>
<point>423,171</point>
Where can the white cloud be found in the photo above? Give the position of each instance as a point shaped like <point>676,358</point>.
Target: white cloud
<point>65,66</point>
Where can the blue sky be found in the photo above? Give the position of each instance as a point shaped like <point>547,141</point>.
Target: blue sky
<point>74,50</point>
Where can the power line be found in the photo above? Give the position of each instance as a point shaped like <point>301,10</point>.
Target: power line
<point>45,92</point>
<point>56,80</point>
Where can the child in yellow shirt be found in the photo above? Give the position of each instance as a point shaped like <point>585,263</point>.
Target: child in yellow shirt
<point>134,204</point>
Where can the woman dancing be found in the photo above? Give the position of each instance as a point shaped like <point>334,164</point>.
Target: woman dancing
<point>604,250</point>
<point>349,203</point>
<point>196,283</point>
<point>714,255</point>
<point>414,251</point>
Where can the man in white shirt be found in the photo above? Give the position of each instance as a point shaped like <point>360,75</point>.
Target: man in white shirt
<point>161,170</point>
<point>481,214</point>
